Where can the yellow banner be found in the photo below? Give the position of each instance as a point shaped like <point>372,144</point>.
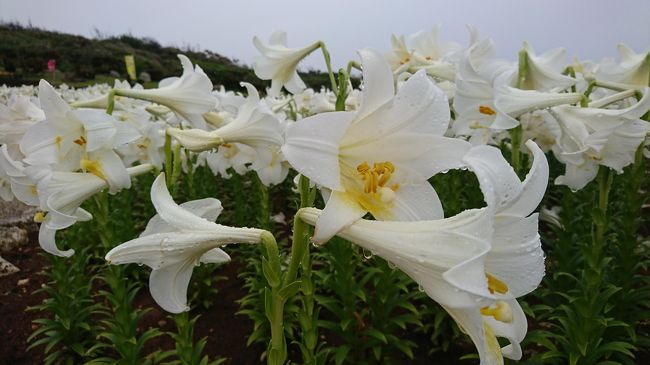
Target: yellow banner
<point>129,60</point>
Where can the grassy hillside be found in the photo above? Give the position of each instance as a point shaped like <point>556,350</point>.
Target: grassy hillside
<point>24,52</point>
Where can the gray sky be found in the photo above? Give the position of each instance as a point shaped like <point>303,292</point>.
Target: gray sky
<point>589,29</point>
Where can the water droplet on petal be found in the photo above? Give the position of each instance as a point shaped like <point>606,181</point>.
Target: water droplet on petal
<point>367,254</point>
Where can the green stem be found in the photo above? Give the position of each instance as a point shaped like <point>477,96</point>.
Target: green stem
<point>168,159</point>
<point>328,63</point>
<point>516,132</point>
<point>601,221</point>
<point>343,90</point>
<point>274,301</point>
<point>111,102</point>
<point>300,242</point>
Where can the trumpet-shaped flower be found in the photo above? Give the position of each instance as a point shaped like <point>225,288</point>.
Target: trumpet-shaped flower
<point>597,136</point>
<point>485,96</point>
<point>377,159</point>
<point>16,117</point>
<point>544,72</point>
<point>175,240</point>
<point>189,96</point>
<point>66,135</point>
<point>279,63</point>
<point>476,263</point>
<point>255,125</point>
<point>633,70</point>
<point>61,195</point>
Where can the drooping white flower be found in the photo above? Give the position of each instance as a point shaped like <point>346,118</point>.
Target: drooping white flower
<point>476,263</point>
<point>544,72</point>
<point>61,195</point>
<point>254,126</point>
<point>279,63</point>
<point>175,240</point>
<point>66,134</point>
<point>189,96</point>
<point>377,159</point>
<point>595,136</point>
<point>633,71</point>
<point>16,117</point>
<point>486,96</point>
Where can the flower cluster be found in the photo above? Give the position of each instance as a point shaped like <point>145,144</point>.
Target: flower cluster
<point>424,108</point>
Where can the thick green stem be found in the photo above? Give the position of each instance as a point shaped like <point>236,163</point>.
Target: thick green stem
<point>274,299</point>
<point>111,102</point>
<point>168,159</point>
<point>343,90</point>
<point>300,242</point>
<point>328,64</point>
<point>600,218</point>
<point>516,132</point>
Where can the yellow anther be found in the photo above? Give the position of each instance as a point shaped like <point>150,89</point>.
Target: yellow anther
<point>33,190</point>
<point>226,145</point>
<point>363,167</point>
<point>389,166</point>
<point>58,140</point>
<point>377,176</point>
<point>94,167</point>
<point>81,141</point>
<point>502,312</point>
<point>384,178</point>
<point>39,217</point>
<point>496,285</point>
<point>484,109</point>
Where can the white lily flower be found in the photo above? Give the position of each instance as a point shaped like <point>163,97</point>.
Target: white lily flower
<point>516,260</point>
<point>236,155</point>
<point>101,102</point>
<point>66,134</point>
<point>177,239</point>
<point>377,159</point>
<point>476,263</point>
<point>255,126</point>
<point>399,58</point>
<point>594,136</point>
<point>632,72</point>
<point>61,195</point>
<point>485,96</point>
<point>434,56</point>
<point>544,72</point>
<point>279,63</point>
<point>189,96</point>
<point>22,187</point>
<point>17,117</point>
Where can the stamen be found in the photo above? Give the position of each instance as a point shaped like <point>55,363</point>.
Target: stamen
<point>484,109</point>
<point>502,312</point>
<point>94,167</point>
<point>39,217</point>
<point>496,285</point>
<point>57,141</point>
<point>81,141</point>
<point>377,177</point>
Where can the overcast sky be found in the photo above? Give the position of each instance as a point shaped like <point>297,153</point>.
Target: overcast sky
<point>589,29</point>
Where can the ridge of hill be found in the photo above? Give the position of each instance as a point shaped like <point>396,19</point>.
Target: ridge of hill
<point>25,51</point>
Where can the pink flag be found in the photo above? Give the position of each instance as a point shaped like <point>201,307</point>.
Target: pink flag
<point>51,65</point>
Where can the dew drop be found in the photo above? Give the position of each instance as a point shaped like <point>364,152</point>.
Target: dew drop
<point>421,288</point>
<point>391,265</point>
<point>367,254</point>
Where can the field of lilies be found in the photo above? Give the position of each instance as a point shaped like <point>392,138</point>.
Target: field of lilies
<point>454,208</point>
